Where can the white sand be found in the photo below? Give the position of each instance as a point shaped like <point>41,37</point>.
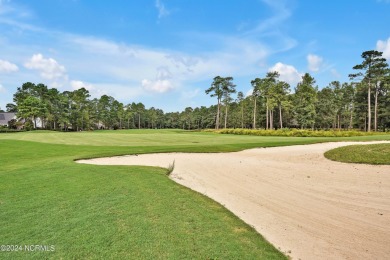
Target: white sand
<point>305,205</point>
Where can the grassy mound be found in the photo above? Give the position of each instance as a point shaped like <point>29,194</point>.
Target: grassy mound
<point>369,154</point>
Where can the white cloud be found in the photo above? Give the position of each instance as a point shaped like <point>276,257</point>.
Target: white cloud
<point>314,62</point>
<point>2,89</point>
<point>97,90</point>
<point>77,84</point>
<point>162,10</point>
<point>6,66</point>
<point>288,73</point>
<point>159,86</point>
<point>235,56</point>
<point>48,68</point>
<point>162,70</point>
<point>384,46</point>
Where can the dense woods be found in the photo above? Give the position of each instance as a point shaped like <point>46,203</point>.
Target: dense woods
<point>363,103</point>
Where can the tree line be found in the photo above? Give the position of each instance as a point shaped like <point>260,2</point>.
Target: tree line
<point>272,104</point>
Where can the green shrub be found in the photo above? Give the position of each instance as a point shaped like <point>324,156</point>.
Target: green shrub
<point>6,130</point>
<point>295,132</point>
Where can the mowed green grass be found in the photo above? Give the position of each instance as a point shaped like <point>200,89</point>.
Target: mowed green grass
<point>177,139</point>
<point>118,212</point>
<point>368,154</point>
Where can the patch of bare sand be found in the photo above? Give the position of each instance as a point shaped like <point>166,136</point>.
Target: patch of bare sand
<point>307,206</point>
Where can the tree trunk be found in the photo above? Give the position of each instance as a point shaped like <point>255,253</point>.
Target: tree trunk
<point>254,115</point>
<point>139,121</point>
<point>266,120</point>
<point>217,119</point>
<point>351,118</point>
<point>271,119</point>
<point>369,106</point>
<point>242,116</point>
<point>376,109</point>
<point>338,122</point>
<point>365,123</point>
<point>280,117</point>
<point>226,115</point>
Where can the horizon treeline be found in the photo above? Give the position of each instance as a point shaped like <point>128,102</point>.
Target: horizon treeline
<point>363,103</point>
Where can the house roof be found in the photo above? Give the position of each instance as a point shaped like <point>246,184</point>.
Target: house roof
<point>6,117</point>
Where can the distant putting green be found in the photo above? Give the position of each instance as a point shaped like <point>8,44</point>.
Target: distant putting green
<point>118,212</point>
<point>368,154</point>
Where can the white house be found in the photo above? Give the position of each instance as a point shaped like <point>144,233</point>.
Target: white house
<point>5,117</point>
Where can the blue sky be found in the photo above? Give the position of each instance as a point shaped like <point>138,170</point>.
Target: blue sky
<point>165,53</point>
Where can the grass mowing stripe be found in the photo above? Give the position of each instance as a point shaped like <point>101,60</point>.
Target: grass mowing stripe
<point>165,138</point>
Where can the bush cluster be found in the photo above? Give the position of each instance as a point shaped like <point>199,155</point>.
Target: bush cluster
<point>7,130</point>
<point>296,132</point>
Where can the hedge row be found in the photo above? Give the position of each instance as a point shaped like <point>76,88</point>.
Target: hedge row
<point>5,130</point>
<point>296,132</point>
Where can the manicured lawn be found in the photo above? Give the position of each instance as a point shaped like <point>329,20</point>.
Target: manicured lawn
<point>176,139</point>
<point>369,154</point>
<point>118,212</point>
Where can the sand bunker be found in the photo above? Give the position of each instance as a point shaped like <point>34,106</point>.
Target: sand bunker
<point>307,206</point>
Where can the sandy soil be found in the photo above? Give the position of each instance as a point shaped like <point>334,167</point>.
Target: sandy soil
<point>307,206</point>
